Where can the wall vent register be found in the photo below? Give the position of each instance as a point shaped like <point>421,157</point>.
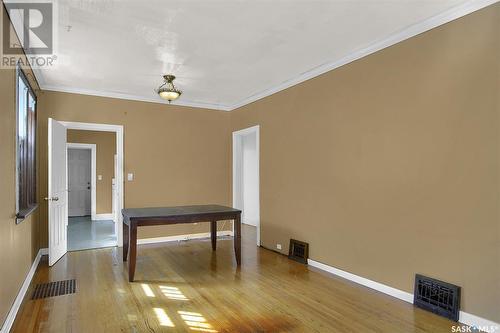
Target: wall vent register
<point>56,288</point>
<point>436,296</point>
<point>298,251</point>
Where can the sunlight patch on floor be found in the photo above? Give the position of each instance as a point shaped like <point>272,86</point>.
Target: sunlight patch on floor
<point>173,293</point>
<point>147,290</point>
<point>163,318</point>
<point>196,321</point>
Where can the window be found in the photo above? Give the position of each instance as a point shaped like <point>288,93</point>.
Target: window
<point>26,201</point>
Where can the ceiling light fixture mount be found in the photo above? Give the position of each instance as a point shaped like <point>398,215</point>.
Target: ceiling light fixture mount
<point>167,90</point>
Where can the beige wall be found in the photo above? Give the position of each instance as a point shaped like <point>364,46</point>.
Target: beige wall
<point>18,243</point>
<point>389,166</point>
<point>105,151</point>
<point>178,155</point>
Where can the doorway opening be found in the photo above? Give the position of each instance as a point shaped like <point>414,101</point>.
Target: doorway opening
<point>246,178</point>
<point>91,173</point>
<point>68,187</point>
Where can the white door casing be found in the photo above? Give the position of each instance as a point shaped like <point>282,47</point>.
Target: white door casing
<point>114,191</point>
<point>238,174</point>
<point>57,191</point>
<point>79,182</point>
<point>118,129</point>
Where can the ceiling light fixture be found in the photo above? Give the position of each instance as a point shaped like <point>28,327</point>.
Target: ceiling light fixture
<point>167,90</point>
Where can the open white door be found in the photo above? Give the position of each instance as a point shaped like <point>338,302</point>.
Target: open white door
<point>58,194</point>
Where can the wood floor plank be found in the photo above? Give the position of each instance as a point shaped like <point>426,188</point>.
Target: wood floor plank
<point>185,287</point>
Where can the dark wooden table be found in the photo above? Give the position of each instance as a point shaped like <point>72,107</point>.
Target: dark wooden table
<point>139,217</point>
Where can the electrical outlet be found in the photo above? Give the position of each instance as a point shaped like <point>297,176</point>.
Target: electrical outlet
<point>278,246</point>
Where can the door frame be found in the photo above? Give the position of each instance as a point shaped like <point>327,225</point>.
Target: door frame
<point>237,175</point>
<point>93,182</point>
<point>114,211</point>
<point>118,129</point>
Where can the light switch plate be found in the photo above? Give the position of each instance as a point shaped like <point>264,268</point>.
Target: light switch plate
<point>130,177</point>
<point>99,177</point>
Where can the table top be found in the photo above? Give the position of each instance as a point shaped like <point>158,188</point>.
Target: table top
<point>165,212</point>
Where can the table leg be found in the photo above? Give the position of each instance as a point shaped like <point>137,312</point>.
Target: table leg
<point>237,239</point>
<point>133,250</point>
<point>125,241</point>
<point>213,234</point>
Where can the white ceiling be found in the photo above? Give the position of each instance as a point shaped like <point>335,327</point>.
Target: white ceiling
<point>224,53</point>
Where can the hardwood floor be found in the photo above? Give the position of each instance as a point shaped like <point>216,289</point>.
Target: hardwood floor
<point>185,287</point>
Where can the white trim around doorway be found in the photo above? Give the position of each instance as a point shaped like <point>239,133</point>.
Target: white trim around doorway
<point>118,129</point>
<point>237,160</point>
<point>93,182</point>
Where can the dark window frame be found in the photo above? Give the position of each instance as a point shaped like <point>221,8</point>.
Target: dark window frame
<point>26,159</point>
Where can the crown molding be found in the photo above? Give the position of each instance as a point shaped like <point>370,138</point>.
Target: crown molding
<point>411,31</point>
<point>131,97</point>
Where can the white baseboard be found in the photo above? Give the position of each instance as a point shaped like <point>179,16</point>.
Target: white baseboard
<point>181,237</point>
<point>481,324</point>
<point>465,317</point>
<point>9,320</point>
<point>402,295</point>
<point>101,217</point>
